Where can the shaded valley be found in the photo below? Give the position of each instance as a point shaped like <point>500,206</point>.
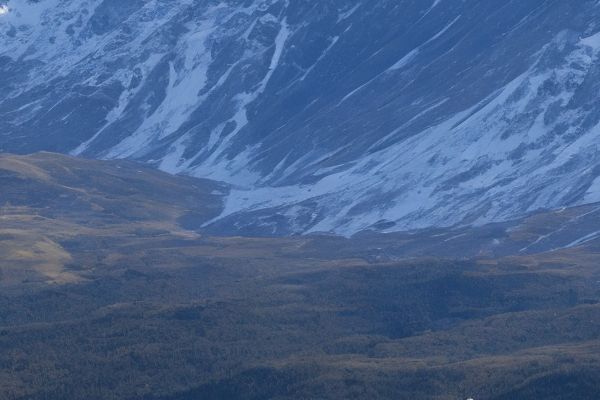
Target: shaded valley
<point>108,292</point>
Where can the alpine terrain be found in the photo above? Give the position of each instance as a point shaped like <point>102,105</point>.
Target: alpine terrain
<point>321,116</point>
<point>299,199</point>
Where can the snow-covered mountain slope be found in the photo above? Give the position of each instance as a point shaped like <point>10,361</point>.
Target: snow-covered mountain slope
<point>333,115</point>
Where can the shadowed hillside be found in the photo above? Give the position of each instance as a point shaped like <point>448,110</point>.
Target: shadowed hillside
<point>106,293</point>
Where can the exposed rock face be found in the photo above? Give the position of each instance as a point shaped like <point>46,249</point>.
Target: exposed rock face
<point>326,116</point>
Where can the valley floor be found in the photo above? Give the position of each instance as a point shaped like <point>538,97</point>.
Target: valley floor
<point>104,294</point>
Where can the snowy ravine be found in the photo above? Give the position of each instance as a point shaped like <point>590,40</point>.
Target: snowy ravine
<point>336,115</point>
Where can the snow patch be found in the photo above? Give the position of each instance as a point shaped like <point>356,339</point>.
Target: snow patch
<point>592,41</point>
<point>405,60</point>
<point>348,14</point>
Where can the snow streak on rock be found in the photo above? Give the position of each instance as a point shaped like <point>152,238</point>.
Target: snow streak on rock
<point>324,116</point>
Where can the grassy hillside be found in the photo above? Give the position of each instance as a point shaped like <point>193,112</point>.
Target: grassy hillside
<point>107,294</point>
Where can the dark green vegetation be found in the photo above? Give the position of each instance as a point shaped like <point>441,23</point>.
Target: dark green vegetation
<point>106,295</point>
